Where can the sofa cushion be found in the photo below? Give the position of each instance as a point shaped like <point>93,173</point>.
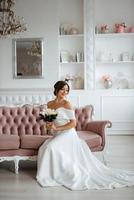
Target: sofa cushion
<point>92,139</point>
<point>19,152</point>
<point>33,141</point>
<point>9,142</point>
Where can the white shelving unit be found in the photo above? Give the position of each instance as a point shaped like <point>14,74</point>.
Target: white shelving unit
<point>71,42</point>
<point>115,57</point>
<point>114,52</point>
<point>102,53</point>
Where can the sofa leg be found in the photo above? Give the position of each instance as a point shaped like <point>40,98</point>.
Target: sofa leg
<point>16,162</point>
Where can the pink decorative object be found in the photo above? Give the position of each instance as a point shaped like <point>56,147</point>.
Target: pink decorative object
<point>131,30</point>
<point>120,28</point>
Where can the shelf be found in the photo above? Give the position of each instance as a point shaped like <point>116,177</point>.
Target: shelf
<point>117,62</point>
<point>114,35</point>
<point>71,36</point>
<point>75,63</point>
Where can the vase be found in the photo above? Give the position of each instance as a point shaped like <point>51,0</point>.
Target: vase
<point>108,84</point>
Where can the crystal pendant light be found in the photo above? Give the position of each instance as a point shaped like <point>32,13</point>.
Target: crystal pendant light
<point>10,24</point>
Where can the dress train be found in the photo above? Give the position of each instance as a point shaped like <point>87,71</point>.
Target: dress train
<point>66,160</point>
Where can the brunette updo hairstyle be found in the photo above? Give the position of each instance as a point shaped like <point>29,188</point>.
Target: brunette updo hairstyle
<point>59,85</point>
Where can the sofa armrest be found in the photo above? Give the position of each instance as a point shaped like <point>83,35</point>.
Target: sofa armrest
<point>99,128</point>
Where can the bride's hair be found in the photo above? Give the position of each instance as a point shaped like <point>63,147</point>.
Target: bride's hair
<point>59,85</point>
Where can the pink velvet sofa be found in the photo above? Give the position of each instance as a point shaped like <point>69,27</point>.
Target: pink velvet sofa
<point>22,133</point>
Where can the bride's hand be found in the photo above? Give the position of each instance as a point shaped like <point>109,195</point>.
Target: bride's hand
<point>51,126</point>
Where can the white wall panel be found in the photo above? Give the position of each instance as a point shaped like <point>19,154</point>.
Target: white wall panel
<point>118,108</point>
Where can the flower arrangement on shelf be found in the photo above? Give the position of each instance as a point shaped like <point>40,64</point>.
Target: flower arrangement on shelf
<point>48,115</point>
<point>106,77</point>
<point>107,81</point>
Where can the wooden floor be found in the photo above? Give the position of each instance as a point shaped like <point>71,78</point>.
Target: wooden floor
<point>120,154</point>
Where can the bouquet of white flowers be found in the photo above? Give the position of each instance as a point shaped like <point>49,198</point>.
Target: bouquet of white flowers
<point>48,115</point>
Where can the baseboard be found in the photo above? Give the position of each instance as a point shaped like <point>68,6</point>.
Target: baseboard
<point>120,132</point>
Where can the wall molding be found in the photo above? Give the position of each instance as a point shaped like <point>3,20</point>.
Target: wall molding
<point>99,99</point>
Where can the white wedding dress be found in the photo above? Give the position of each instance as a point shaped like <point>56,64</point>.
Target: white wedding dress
<point>66,160</point>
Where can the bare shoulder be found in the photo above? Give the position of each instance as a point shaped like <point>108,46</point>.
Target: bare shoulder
<point>68,105</point>
<point>50,104</point>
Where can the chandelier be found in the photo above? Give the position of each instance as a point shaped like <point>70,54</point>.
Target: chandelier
<point>35,49</point>
<point>10,24</point>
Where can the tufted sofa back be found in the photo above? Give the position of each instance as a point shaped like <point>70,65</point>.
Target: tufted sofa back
<point>21,121</point>
<point>83,116</point>
<point>25,120</point>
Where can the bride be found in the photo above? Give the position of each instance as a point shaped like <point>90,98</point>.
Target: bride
<point>66,160</point>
